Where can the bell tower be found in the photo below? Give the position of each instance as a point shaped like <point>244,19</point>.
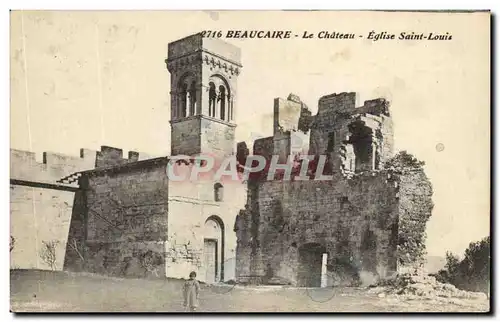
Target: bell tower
<point>203,92</point>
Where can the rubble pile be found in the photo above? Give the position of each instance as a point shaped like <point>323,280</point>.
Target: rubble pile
<point>423,286</point>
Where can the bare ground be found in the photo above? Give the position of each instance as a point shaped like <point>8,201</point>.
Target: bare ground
<point>45,291</point>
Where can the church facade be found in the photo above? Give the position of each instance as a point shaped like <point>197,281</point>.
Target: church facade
<point>123,216</point>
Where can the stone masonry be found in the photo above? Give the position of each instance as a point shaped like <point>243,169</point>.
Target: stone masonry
<point>353,218</point>
<point>103,213</point>
<point>123,216</point>
<point>44,204</point>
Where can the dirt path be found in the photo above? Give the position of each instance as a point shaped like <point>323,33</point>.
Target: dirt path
<point>56,292</point>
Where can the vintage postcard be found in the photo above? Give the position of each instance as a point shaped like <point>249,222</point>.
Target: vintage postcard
<point>250,161</point>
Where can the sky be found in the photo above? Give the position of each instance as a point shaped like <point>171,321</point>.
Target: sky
<point>86,79</point>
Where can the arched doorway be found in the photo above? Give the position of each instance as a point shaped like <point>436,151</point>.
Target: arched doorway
<point>312,261</point>
<point>369,251</point>
<point>213,249</point>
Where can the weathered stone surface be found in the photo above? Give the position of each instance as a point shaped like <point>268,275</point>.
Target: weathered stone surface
<point>355,218</point>
<point>41,208</point>
<point>54,166</point>
<point>203,77</point>
<point>289,216</point>
<point>37,216</point>
<point>123,216</point>
<point>126,216</point>
<point>193,212</point>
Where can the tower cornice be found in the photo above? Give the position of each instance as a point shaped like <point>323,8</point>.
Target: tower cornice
<point>201,116</point>
<point>208,57</point>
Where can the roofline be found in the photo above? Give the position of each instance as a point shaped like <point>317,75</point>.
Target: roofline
<point>43,185</point>
<point>125,166</point>
<point>203,50</point>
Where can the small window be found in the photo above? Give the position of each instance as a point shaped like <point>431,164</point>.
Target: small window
<point>212,95</point>
<point>183,100</point>
<point>331,142</point>
<point>343,202</point>
<point>222,99</point>
<point>218,192</point>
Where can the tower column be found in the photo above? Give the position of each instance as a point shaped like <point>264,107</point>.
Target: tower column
<point>231,100</point>
<point>228,108</point>
<point>217,103</point>
<point>192,100</point>
<point>182,104</point>
<point>174,103</point>
<point>212,100</point>
<point>198,104</point>
<point>188,103</point>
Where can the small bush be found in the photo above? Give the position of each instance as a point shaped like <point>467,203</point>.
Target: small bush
<point>473,272</point>
<point>48,253</point>
<point>12,243</point>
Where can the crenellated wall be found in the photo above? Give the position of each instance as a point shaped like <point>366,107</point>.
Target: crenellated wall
<point>111,157</point>
<point>54,166</point>
<point>45,209</point>
<point>40,207</point>
<point>339,131</point>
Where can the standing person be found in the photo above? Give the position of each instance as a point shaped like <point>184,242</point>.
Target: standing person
<point>191,291</point>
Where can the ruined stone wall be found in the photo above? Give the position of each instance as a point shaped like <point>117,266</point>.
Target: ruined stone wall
<point>282,146</point>
<point>247,227</point>
<point>286,114</point>
<point>369,220</point>
<point>330,109</point>
<point>336,214</point>
<point>415,209</point>
<point>290,144</point>
<point>127,213</point>
<point>359,222</point>
<point>291,128</point>
<point>332,130</point>
<point>264,147</point>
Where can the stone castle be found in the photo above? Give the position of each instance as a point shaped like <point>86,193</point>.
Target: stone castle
<point>107,214</point>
